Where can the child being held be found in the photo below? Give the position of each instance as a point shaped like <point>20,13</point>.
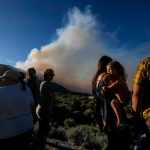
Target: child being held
<point>119,87</point>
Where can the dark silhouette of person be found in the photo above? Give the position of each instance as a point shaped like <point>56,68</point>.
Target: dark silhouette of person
<point>45,110</point>
<point>33,84</point>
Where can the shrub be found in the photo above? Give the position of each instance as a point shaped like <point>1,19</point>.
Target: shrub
<point>68,123</point>
<point>88,137</point>
<point>75,136</point>
<point>58,133</point>
<point>89,115</point>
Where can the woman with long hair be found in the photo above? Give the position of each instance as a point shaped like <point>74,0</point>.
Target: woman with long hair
<point>96,82</point>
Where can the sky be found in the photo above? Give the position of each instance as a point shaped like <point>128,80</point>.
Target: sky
<point>70,35</point>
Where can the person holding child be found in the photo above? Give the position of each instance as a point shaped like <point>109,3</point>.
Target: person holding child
<point>97,82</point>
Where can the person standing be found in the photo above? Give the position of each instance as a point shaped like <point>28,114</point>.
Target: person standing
<point>97,83</point>
<point>45,109</point>
<point>141,94</point>
<point>141,88</point>
<point>33,84</point>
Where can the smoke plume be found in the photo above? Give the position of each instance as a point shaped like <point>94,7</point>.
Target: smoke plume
<point>74,53</point>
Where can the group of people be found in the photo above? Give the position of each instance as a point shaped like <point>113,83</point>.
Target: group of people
<point>20,94</point>
<point>24,100</point>
<point>110,89</point>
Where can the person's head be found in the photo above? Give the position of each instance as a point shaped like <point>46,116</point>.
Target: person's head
<point>31,72</point>
<point>103,62</point>
<point>116,69</point>
<point>101,68</point>
<point>22,77</point>
<point>49,74</point>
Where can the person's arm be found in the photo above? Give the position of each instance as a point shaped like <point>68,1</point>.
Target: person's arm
<point>43,90</point>
<point>113,85</point>
<point>136,97</point>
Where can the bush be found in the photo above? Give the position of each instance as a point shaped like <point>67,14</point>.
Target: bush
<point>89,115</point>
<point>88,137</point>
<point>75,136</point>
<point>68,123</point>
<point>58,133</point>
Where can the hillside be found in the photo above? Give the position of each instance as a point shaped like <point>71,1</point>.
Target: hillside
<point>73,123</point>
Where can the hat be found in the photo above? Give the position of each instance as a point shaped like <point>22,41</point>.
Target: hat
<point>146,113</point>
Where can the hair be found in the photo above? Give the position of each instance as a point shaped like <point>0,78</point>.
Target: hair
<point>48,73</point>
<point>30,72</point>
<point>102,63</point>
<point>119,69</point>
<point>21,80</point>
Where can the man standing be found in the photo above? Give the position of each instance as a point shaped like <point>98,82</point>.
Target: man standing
<point>33,84</point>
<point>45,105</point>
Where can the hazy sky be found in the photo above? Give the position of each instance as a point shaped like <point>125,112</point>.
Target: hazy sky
<point>118,28</point>
<point>25,24</point>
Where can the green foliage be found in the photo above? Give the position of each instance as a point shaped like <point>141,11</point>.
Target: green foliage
<point>77,114</point>
<point>78,107</point>
<point>58,133</point>
<point>88,137</point>
<point>89,115</point>
<point>68,123</point>
<point>74,122</point>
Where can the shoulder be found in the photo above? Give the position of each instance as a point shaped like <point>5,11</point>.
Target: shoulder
<point>43,83</point>
<point>107,78</point>
<point>101,76</point>
<point>44,86</point>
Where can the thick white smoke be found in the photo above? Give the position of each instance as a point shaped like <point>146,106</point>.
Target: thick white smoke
<point>74,54</point>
